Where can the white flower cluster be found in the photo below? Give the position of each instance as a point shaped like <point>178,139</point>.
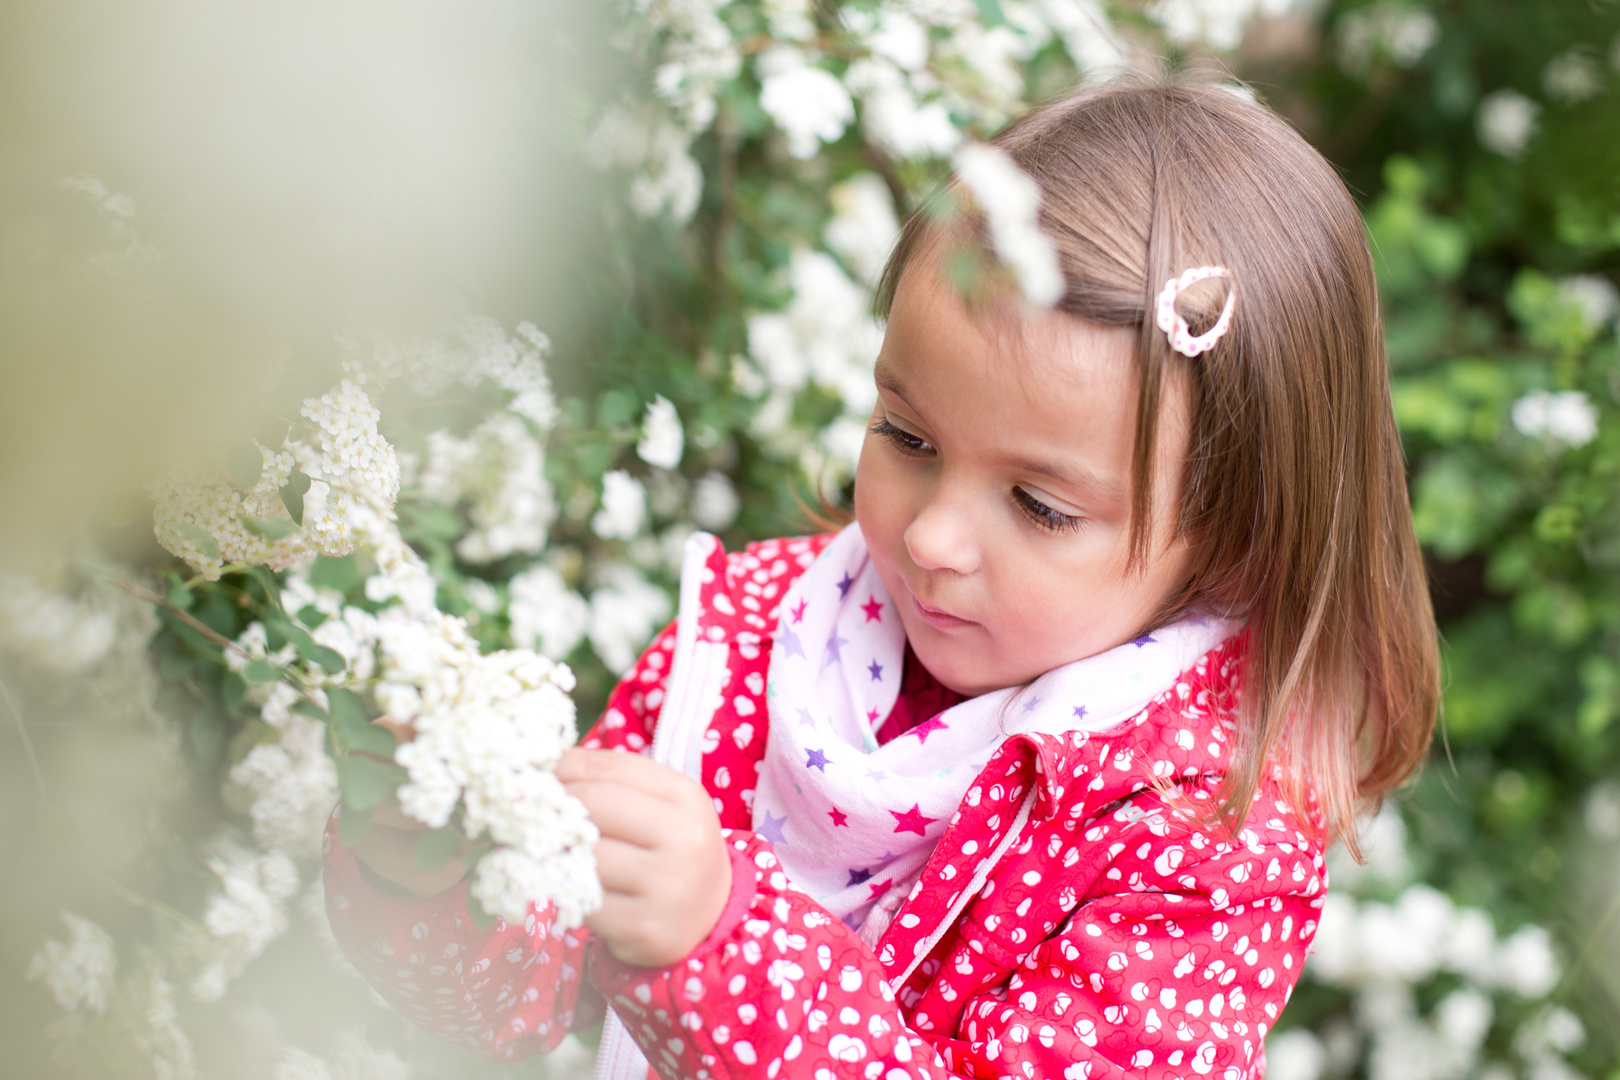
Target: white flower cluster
<point>545,613</point>
<point>1011,202</point>
<point>57,633</point>
<point>352,1058</point>
<point>1506,121</point>
<point>1402,32</point>
<point>489,731</point>
<point>626,610</point>
<point>624,507</point>
<point>1384,952</point>
<point>292,782</point>
<point>246,914</point>
<point>662,439</point>
<point>499,470</point>
<point>350,466</point>
<point>79,972</point>
<point>1566,416</point>
<point>1595,296</point>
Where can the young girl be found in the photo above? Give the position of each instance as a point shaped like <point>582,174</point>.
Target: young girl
<point>1029,772</point>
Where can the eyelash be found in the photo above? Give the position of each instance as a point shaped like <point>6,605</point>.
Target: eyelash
<point>1039,514</point>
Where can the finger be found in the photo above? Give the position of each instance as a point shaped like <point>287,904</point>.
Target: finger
<point>388,814</point>
<point>401,730</point>
<point>624,869</point>
<point>623,813</point>
<point>616,766</point>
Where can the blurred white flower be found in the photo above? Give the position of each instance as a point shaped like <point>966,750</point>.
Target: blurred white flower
<point>863,228</point>
<point>1295,1054</point>
<point>1011,202</point>
<point>666,177</point>
<point>1566,416</point>
<point>79,972</point>
<point>1217,23</point>
<point>545,613</point>
<point>1402,32</point>
<point>292,782</point>
<point>1463,1018</point>
<point>714,501</point>
<point>54,632</point>
<point>626,610</point>
<point>1506,121</point>
<point>499,470</point>
<point>624,507</point>
<point>662,440</point>
<point>480,595</point>
<point>893,117</point>
<point>826,335</point>
<point>807,103</point>
<point>1383,845</point>
<point>352,1058</point>
<point>790,19</point>
<point>1572,76</point>
<point>1602,812</point>
<point>1594,294</point>
<point>246,913</point>
<point>1525,963</point>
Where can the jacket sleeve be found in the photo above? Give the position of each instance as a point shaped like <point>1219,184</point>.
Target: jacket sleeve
<point>1139,982</point>
<point>507,991</point>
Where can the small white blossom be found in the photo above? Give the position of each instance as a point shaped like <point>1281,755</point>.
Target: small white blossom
<point>1572,76</point>
<point>624,507</point>
<point>1602,812</point>
<point>714,501</point>
<point>1506,121</point>
<point>1525,963</point>
<point>79,972</point>
<point>1011,203</point>
<point>1463,1018</point>
<point>1566,416</point>
<point>1217,23</point>
<point>662,440</point>
<point>808,104</point>
<point>545,613</point>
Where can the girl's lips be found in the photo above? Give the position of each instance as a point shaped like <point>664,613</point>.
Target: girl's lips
<point>944,620</point>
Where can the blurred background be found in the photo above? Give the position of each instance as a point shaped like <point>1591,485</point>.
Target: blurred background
<point>677,208</point>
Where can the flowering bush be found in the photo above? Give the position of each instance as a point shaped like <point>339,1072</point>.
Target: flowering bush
<point>474,531</point>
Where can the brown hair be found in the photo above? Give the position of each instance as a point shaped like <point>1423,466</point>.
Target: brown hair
<point>1294,492</point>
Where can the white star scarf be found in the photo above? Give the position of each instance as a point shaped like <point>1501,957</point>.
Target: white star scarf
<point>853,821</point>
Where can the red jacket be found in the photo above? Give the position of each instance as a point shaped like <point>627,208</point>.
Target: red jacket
<point>1118,934</point>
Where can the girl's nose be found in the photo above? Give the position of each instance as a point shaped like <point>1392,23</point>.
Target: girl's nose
<point>941,536</point>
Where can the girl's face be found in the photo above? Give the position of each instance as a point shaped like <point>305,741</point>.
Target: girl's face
<point>994,487</point>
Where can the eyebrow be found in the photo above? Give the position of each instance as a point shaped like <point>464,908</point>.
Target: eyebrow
<point>1078,478</point>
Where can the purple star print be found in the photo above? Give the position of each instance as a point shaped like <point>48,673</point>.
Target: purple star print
<point>790,642</point>
<point>877,671</point>
<point>843,586</point>
<point>858,877</point>
<point>818,760</point>
<point>771,828</point>
<point>834,643</point>
<point>1145,639</point>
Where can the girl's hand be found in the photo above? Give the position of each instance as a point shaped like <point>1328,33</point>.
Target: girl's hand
<point>388,846</point>
<point>665,871</point>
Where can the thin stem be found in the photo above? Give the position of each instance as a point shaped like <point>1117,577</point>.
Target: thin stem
<point>190,620</point>
<point>22,730</point>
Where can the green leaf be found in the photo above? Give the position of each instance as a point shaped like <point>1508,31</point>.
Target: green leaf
<point>990,12</point>
<point>482,919</point>
<point>259,672</point>
<point>204,542</point>
<point>180,597</point>
<point>311,616</point>
<point>341,574</point>
<point>245,462</point>
<point>366,781</point>
<point>232,690</point>
<point>435,848</point>
<point>351,729</point>
<point>271,529</point>
<point>352,823</point>
<point>328,658</point>
<point>292,495</point>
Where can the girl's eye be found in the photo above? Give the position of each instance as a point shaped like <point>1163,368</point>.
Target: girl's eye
<point>903,440</point>
<point>1044,516</point>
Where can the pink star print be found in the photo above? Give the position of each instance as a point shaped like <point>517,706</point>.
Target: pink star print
<point>798,612</point>
<point>912,820</point>
<point>880,888</point>
<point>873,608</point>
<point>927,728</point>
<point>839,817</point>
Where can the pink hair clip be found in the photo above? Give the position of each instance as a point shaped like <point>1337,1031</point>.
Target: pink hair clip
<point>1175,327</point>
